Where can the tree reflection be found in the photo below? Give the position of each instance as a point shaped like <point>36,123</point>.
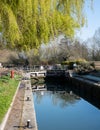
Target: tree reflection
<point>62,97</point>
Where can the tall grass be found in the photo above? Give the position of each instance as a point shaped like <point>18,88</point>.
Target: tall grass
<point>7,90</point>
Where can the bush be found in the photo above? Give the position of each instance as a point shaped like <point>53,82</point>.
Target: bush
<point>92,64</point>
<point>81,62</point>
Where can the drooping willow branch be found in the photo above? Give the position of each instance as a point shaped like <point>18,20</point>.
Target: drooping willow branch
<point>27,24</point>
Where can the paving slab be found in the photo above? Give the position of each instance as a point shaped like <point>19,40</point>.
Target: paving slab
<point>28,109</point>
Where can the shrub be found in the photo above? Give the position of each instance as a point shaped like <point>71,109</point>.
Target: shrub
<point>92,64</point>
<point>81,62</point>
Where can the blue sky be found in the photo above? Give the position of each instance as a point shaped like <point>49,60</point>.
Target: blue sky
<point>93,20</point>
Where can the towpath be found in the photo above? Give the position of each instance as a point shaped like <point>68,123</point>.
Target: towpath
<point>22,109</point>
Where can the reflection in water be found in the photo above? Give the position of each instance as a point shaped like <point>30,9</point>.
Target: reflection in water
<point>87,92</point>
<point>59,108</point>
<point>61,98</point>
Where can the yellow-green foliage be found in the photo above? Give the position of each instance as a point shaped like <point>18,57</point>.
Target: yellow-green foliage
<point>28,23</point>
<point>77,61</point>
<point>7,90</point>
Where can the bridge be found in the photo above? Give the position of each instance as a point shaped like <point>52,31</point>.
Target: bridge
<point>38,73</point>
<point>51,73</point>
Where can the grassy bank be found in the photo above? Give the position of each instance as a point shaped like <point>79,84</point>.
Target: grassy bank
<point>7,90</point>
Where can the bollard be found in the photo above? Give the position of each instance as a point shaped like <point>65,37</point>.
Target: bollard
<point>12,74</point>
<point>28,123</point>
<point>28,98</point>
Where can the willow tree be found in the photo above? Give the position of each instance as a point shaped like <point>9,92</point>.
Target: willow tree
<point>27,24</point>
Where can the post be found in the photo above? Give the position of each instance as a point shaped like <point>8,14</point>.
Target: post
<point>28,123</point>
<point>12,74</point>
<point>28,98</point>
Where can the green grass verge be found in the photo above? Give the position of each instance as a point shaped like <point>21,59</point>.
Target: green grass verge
<point>8,88</point>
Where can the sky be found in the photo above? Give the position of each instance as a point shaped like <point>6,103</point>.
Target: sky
<point>93,20</point>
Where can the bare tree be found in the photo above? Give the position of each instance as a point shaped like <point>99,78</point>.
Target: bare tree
<point>95,46</point>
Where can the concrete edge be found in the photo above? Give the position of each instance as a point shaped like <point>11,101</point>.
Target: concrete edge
<point>9,110</point>
<point>35,119</point>
<point>28,107</point>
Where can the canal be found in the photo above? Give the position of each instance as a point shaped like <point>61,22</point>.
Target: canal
<point>62,108</point>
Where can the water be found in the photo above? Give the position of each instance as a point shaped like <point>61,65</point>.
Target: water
<point>64,110</point>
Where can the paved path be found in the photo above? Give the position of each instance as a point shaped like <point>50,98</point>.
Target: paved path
<point>28,108</point>
<point>22,110</point>
<point>89,79</point>
<point>14,117</point>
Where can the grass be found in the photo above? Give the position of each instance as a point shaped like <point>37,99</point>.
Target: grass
<point>8,87</point>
